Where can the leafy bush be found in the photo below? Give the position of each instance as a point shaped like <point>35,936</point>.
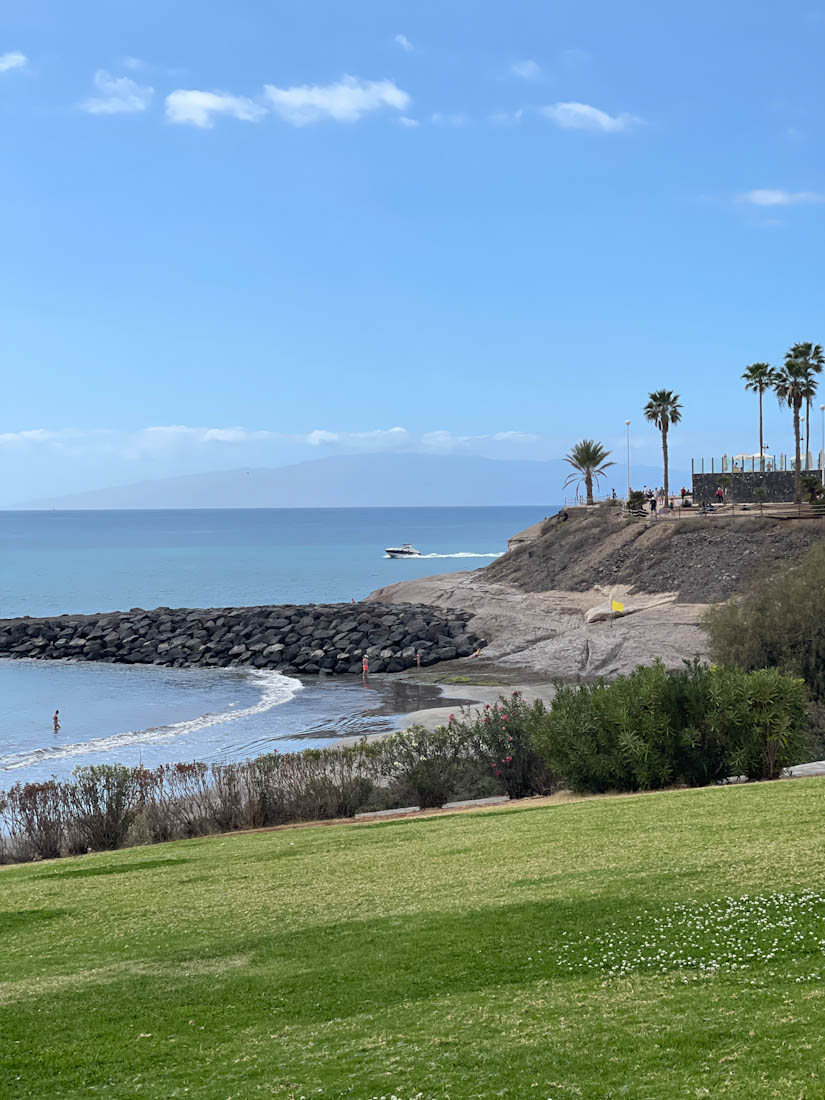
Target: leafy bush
<point>430,766</point>
<point>655,727</point>
<point>502,738</point>
<point>779,622</point>
<point>35,816</point>
<point>102,803</point>
<point>759,717</point>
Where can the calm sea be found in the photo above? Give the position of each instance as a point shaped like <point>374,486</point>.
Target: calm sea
<point>56,562</point>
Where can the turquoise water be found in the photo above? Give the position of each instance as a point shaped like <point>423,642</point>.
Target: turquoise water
<point>55,562</point>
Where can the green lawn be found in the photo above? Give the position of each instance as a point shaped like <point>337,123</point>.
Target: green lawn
<point>583,949</point>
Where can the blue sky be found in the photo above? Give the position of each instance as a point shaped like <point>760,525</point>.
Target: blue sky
<point>255,232</point>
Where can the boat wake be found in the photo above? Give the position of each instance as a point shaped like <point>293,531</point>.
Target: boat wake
<point>464,554</point>
<point>275,689</point>
<point>461,554</point>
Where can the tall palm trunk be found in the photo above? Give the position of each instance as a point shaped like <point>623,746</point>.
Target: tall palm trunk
<point>797,477</point>
<point>761,444</point>
<point>807,430</point>
<point>664,456</point>
<point>588,485</point>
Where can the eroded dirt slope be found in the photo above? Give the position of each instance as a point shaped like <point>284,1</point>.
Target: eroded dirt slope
<point>703,559</point>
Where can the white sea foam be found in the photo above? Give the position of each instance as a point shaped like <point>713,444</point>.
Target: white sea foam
<point>274,687</point>
<point>464,554</point>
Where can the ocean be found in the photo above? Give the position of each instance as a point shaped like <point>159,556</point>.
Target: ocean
<point>57,562</point>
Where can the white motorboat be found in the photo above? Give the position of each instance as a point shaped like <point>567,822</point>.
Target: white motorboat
<point>405,551</point>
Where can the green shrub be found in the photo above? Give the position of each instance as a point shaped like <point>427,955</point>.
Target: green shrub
<point>760,719</point>
<point>502,739</point>
<point>779,622</point>
<point>430,766</point>
<point>656,727</point>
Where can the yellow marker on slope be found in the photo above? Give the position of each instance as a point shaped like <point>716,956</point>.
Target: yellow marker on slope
<point>616,606</point>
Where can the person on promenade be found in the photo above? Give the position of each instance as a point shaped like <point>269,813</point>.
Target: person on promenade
<point>56,721</point>
<point>720,495</point>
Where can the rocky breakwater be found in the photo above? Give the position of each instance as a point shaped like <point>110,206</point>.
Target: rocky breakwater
<point>290,638</point>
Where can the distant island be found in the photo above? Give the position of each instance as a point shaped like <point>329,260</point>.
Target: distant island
<point>357,481</point>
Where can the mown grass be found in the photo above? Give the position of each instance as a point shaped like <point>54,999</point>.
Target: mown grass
<point>515,953</point>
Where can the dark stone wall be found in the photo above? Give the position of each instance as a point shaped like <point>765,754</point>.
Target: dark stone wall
<point>290,638</point>
<point>778,486</point>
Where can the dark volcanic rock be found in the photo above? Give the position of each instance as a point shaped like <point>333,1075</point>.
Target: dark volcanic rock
<point>332,637</point>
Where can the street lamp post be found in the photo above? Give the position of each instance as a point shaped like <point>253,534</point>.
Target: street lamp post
<point>822,452</point>
<point>627,429</point>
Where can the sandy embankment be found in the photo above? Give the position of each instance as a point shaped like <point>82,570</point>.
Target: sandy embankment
<point>535,638</point>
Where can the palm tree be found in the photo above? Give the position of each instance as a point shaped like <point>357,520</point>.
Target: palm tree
<point>588,461</point>
<point>759,377</point>
<point>812,357</point>
<point>663,409</point>
<point>794,384</point>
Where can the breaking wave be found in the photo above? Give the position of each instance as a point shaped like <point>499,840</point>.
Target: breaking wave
<point>274,687</point>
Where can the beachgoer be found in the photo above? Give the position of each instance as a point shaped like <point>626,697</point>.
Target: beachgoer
<point>684,492</point>
<point>56,721</point>
<point>418,658</point>
<point>614,495</point>
<point>477,652</point>
<point>720,496</point>
<point>653,505</point>
<point>365,664</point>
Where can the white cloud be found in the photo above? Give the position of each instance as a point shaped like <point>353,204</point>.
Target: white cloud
<point>581,116</point>
<point>133,63</point>
<point>507,118</point>
<point>119,95</point>
<point>408,122</point>
<point>29,435</point>
<point>404,42</point>
<point>12,60</point>
<point>771,197</point>
<point>196,108</point>
<point>174,432</point>
<point>455,119</point>
<point>527,69</point>
<point>346,101</point>
<point>380,438</point>
<point>515,437</point>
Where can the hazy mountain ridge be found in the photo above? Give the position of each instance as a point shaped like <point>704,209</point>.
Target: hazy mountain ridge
<point>356,481</point>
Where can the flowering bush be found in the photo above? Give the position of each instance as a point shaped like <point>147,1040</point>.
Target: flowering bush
<point>502,738</point>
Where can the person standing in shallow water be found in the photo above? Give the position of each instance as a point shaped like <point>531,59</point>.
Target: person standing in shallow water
<point>56,721</point>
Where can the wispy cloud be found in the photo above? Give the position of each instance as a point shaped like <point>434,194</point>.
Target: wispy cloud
<point>441,119</point>
<point>581,116</point>
<point>348,100</point>
<point>118,95</point>
<point>133,63</point>
<point>12,60</point>
<point>776,197</point>
<point>526,70</point>
<point>170,439</point>
<point>404,42</point>
<point>410,123</point>
<point>196,108</point>
<point>507,118</point>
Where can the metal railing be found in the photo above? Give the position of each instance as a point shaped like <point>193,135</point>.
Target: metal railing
<point>812,462</point>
